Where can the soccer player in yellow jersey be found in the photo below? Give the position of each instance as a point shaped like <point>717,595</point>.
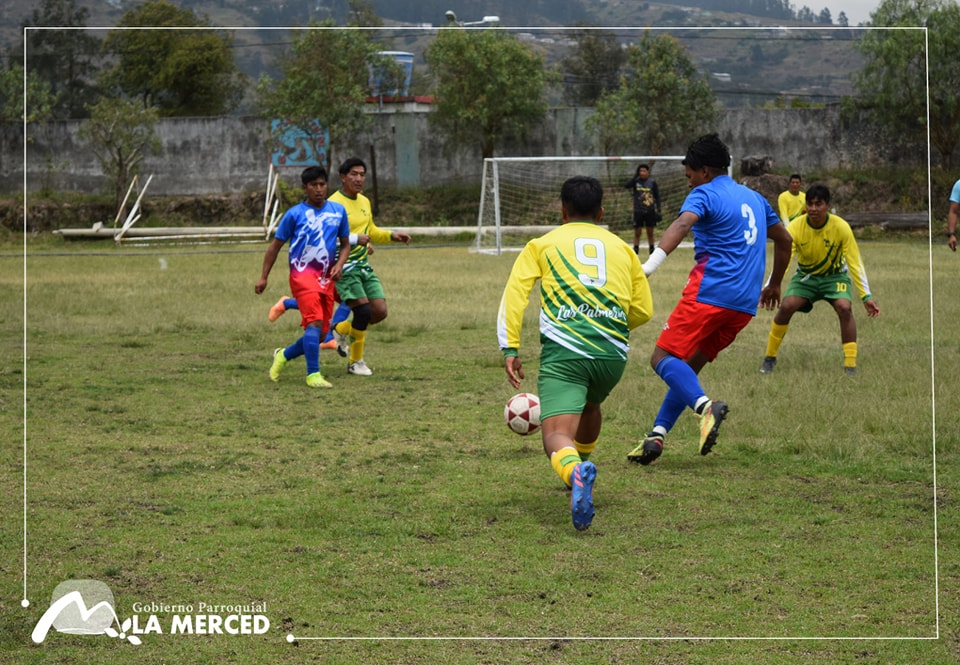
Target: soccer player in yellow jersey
<point>791,203</point>
<point>359,287</point>
<point>592,294</point>
<point>827,260</point>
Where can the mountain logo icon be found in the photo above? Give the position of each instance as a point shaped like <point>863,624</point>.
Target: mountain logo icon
<point>82,607</point>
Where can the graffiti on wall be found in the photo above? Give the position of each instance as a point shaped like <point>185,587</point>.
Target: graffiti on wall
<point>295,145</point>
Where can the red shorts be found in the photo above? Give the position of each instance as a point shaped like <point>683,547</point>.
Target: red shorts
<point>315,298</point>
<point>695,326</point>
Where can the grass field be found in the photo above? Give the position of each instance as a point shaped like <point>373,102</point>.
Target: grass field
<point>395,519</point>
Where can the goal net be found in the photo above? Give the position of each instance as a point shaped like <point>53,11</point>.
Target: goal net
<point>520,197</point>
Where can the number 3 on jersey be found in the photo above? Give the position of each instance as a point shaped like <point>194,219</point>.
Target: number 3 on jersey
<point>591,254</point>
<point>750,235</point>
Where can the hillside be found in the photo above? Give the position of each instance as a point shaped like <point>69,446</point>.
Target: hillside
<point>751,60</point>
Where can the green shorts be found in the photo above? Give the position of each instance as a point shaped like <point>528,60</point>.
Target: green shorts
<point>360,282</point>
<point>566,387</point>
<point>819,287</point>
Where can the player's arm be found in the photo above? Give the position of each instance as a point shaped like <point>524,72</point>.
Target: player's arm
<point>641,301</point>
<point>782,253</point>
<point>851,255</point>
<point>782,208</point>
<point>670,240</point>
<point>378,235</point>
<point>952,216</point>
<point>336,270</point>
<point>269,258</point>
<point>513,303</point>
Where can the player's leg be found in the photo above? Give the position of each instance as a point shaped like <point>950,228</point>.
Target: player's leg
<point>697,332</point>
<point>848,333</point>
<point>603,378</point>
<point>651,223</point>
<point>342,313</point>
<point>636,232</point>
<point>778,328</point>
<point>315,310</point>
<point>562,388</point>
<point>358,338</point>
<point>378,309</point>
<point>281,306</point>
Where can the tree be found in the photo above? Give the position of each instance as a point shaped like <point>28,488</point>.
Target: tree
<point>120,134</point>
<point>324,82</point>
<point>40,97</point>
<point>179,72</point>
<point>892,86</point>
<point>842,20</point>
<point>594,66</point>
<point>489,87</point>
<point>662,99</point>
<point>62,55</point>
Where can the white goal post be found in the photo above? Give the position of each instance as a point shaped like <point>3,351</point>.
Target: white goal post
<point>520,196</point>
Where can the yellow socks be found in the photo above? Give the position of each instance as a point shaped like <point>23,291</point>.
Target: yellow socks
<point>357,339</point>
<point>585,449</point>
<point>777,332</point>
<point>563,462</point>
<point>850,354</point>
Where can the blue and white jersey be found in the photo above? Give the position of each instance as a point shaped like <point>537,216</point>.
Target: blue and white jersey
<point>314,236</point>
<point>730,242</point>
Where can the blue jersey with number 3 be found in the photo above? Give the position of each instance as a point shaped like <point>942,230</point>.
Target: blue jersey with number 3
<point>730,241</point>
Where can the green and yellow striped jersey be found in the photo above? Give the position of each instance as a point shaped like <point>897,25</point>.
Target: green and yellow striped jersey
<point>592,293</point>
<point>360,214</point>
<point>828,250</point>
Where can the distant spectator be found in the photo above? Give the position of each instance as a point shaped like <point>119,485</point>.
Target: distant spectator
<point>646,205</point>
<point>792,203</point>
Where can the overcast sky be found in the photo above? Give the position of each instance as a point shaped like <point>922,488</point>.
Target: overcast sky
<point>857,11</point>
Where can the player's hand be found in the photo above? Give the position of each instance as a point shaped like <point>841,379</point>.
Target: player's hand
<point>952,243</point>
<point>873,309</point>
<point>260,286</point>
<point>770,297</point>
<point>514,369</point>
<point>400,237</point>
<point>363,239</point>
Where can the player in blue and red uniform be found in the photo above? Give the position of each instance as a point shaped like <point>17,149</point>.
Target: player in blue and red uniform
<point>731,224</point>
<point>313,228</point>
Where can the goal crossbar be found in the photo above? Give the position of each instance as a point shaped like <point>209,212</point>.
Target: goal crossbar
<point>520,195</point>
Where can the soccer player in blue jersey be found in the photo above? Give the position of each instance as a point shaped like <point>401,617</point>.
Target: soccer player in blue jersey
<point>592,294</point>
<point>730,224</point>
<point>952,216</point>
<point>313,227</point>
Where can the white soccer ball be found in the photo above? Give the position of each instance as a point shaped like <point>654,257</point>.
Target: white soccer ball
<point>522,413</point>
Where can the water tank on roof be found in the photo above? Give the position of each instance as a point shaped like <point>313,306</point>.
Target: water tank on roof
<point>379,87</point>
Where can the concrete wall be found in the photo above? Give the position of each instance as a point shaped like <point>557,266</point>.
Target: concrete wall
<point>231,154</point>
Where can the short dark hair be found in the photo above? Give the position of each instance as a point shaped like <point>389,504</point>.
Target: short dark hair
<point>311,173</point>
<point>795,176</point>
<point>582,196</point>
<point>349,163</point>
<point>642,166</point>
<point>708,150</point>
<point>818,192</point>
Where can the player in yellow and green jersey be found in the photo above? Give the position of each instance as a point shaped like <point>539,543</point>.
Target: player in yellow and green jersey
<point>592,294</point>
<point>359,287</point>
<point>359,290</point>
<point>828,259</point>
<point>791,203</point>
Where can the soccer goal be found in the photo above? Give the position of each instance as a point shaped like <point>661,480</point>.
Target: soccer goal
<point>521,195</point>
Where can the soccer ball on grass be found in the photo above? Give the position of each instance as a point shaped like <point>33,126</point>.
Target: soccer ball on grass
<point>522,413</point>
